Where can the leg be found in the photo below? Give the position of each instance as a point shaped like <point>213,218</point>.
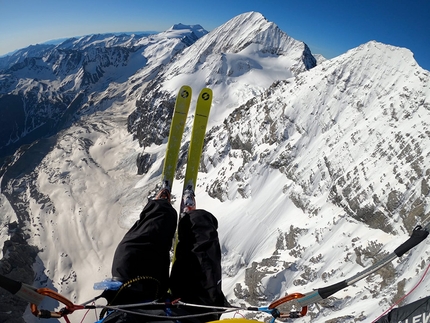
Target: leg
<point>196,273</point>
<point>145,249</point>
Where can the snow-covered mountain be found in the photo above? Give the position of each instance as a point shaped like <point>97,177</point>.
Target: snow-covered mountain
<point>314,172</point>
<point>43,87</point>
<point>237,60</point>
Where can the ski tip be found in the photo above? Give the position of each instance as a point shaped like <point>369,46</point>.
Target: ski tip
<point>206,95</point>
<point>206,91</point>
<point>185,92</point>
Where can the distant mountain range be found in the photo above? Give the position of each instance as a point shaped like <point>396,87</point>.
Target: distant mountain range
<point>314,168</point>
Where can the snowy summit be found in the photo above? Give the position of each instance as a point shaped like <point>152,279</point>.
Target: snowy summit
<point>314,172</point>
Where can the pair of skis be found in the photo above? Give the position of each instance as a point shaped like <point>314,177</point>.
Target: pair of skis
<point>177,126</point>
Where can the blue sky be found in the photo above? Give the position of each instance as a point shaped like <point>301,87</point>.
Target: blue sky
<point>329,27</point>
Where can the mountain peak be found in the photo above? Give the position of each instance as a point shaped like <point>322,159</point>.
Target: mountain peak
<point>246,34</point>
<point>251,16</point>
<point>182,31</point>
<point>245,29</point>
<point>198,30</point>
<point>368,57</point>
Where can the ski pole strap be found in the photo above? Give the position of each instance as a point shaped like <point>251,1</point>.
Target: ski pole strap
<point>417,236</point>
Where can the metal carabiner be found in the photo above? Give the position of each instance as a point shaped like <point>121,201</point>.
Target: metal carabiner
<point>285,299</point>
<point>70,307</point>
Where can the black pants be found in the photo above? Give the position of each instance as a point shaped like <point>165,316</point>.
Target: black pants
<point>145,252</point>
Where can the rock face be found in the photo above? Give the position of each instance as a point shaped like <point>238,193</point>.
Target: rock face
<point>340,139</point>
<point>315,172</point>
<point>16,264</point>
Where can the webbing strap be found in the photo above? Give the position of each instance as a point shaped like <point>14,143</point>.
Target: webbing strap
<point>126,285</point>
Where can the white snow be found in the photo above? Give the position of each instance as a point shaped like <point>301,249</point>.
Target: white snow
<point>347,111</point>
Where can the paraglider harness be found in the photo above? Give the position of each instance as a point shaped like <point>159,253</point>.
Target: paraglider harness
<point>35,295</point>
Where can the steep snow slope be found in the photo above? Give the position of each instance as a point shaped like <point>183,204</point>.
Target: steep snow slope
<point>247,47</point>
<point>331,168</point>
<point>271,171</point>
<point>311,181</point>
<point>237,60</point>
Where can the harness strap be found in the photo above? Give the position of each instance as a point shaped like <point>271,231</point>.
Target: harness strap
<point>128,284</point>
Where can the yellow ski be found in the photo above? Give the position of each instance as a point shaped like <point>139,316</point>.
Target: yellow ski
<point>177,126</point>
<point>201,117</point>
